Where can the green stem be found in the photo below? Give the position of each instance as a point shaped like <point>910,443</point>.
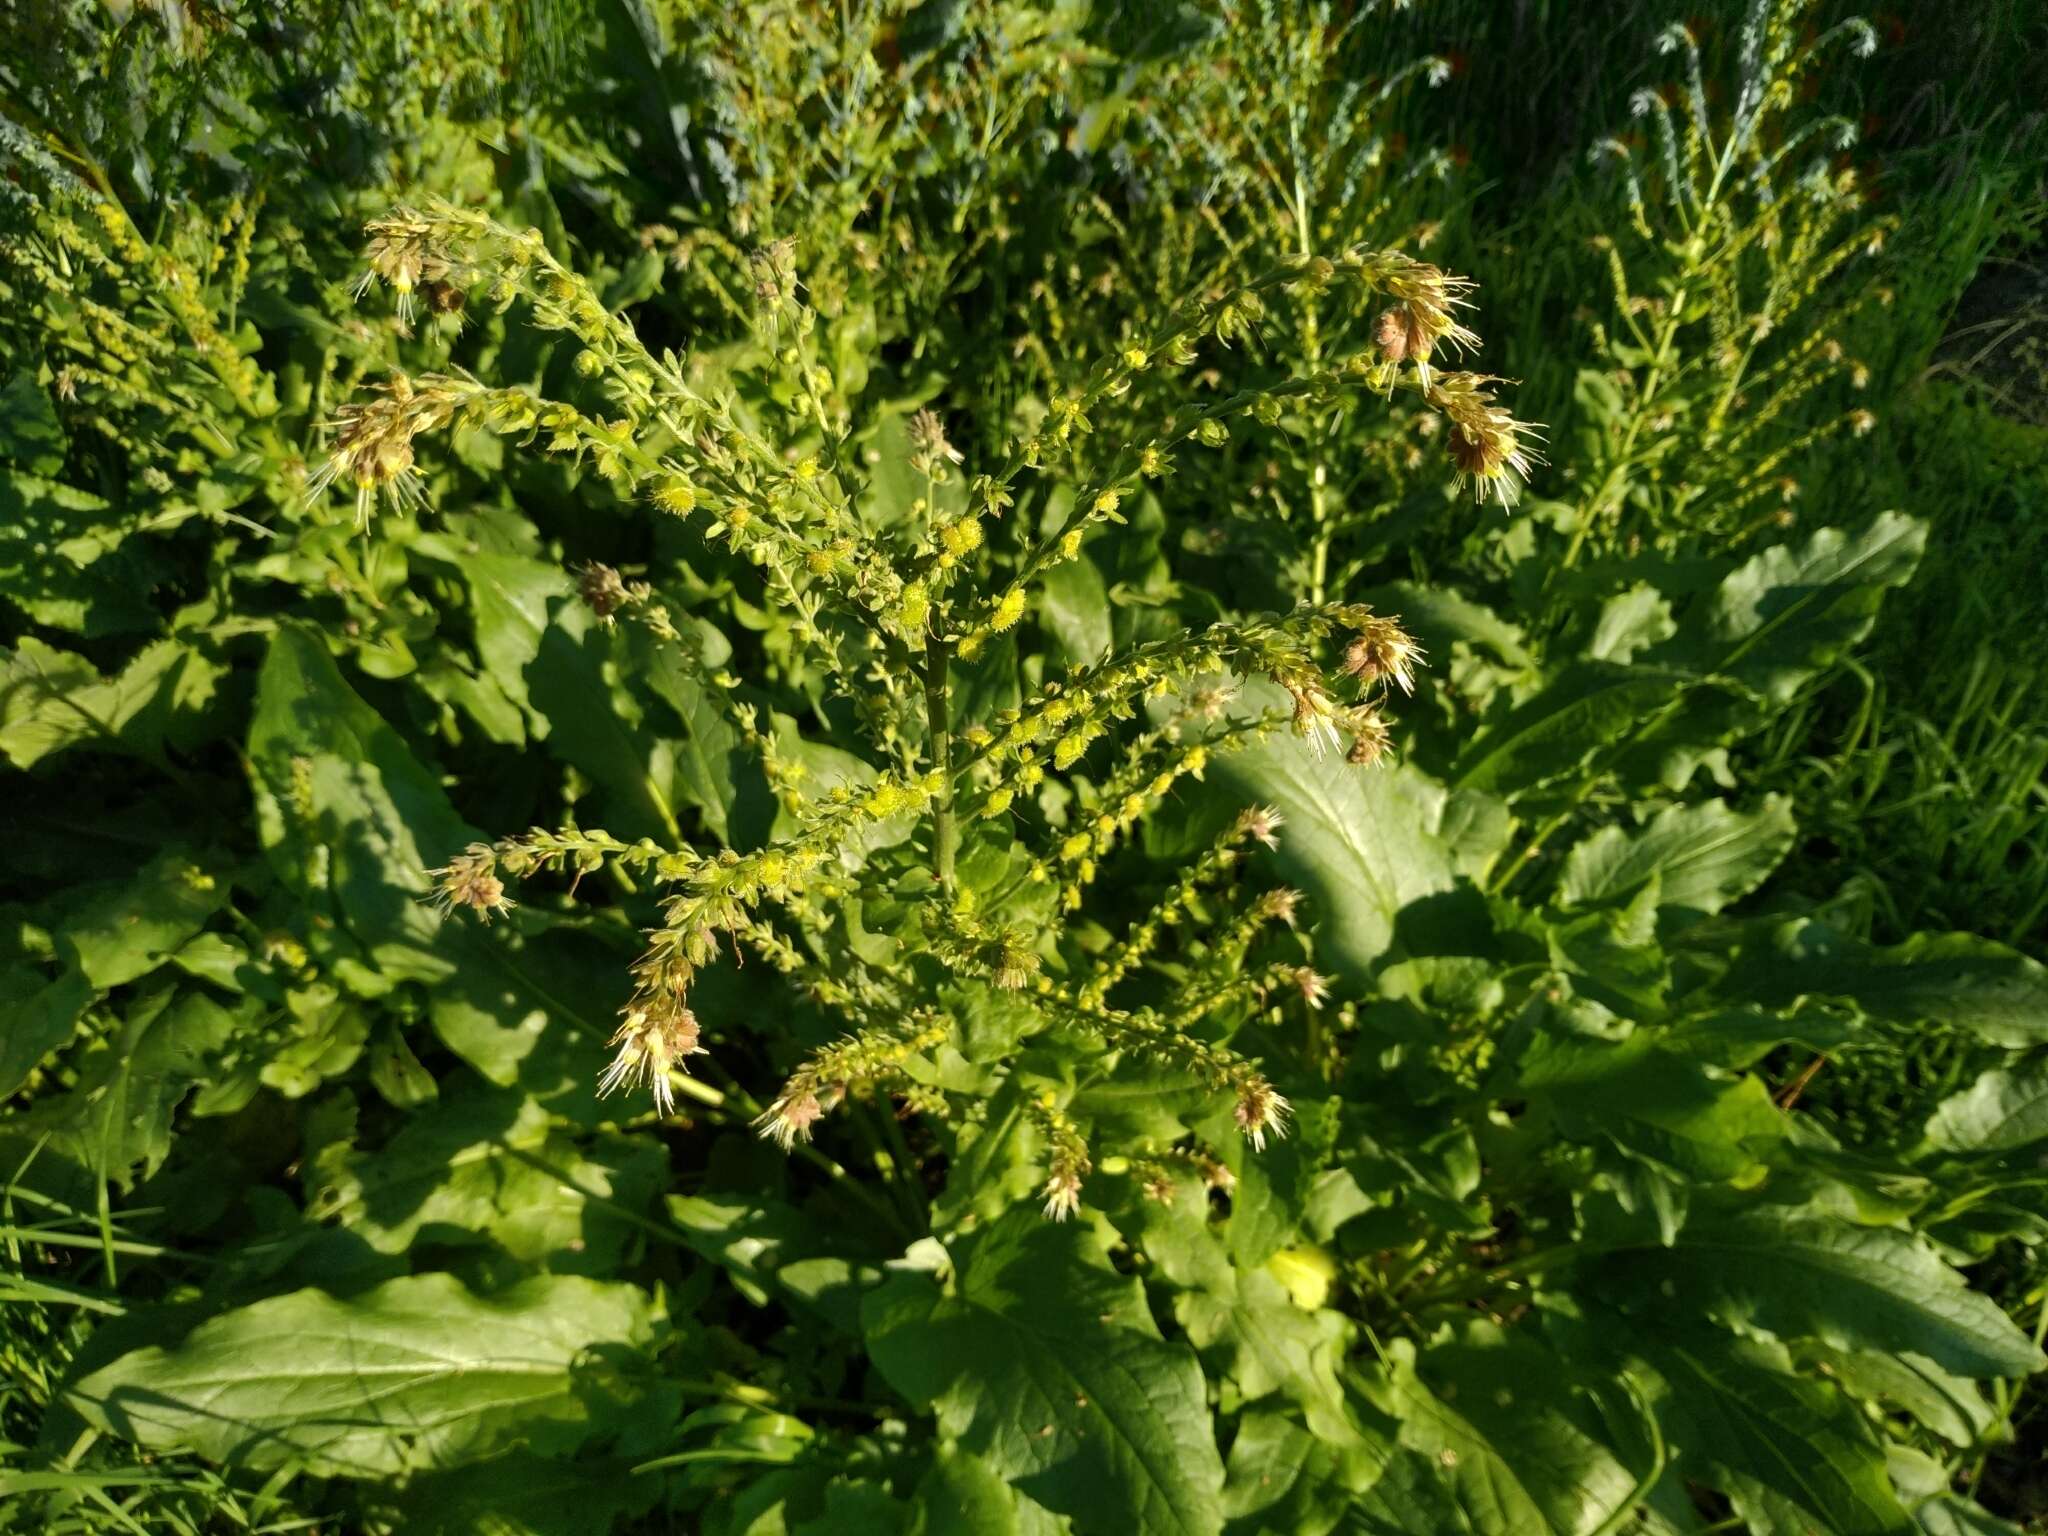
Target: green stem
<point>1312,354</point>
<point>945,830</point>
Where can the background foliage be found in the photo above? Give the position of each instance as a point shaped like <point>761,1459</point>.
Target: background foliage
<point>1663,1027</point>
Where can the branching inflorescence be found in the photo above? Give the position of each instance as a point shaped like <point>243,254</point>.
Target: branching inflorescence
<point>878,601</point>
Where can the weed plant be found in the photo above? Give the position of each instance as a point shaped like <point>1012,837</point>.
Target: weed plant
<point>826,768</point>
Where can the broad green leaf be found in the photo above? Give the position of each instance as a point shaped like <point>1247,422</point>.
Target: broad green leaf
<point>350,819</point>
<point>1741,1037</point>
<point>1419,1493</point>
<point>772,1249</point>
<point>1073,605</point>
<point>117,1120</point>
<point>596,723</point>
<point>1439,618</point>
<point>492,1166</point>
<point>398,1074</point>
<point>961,1495</point>
<point>1361,844</point>
<point>352,822</point>
<point>1649,1101</point>
<point>1274,1185</point>
<point>1519,1430</point>
<point>1040,1358</point>
<point>509,596</point>
<point>1242,1317</point>
<point>533,1009</point>
<point>1769,628</point>
<point>1810,1276</point>
<point>2004,1110</point>
<point>51,701</point>
<point>1629,622</point>
<point>520,1494</point>
<point>1791,610</point>
<point>1702,856</point>
<point>713,766</point>
<point>1778,1444</point>
<point>1951,1406</point>
<point>1957,979</point>
<point>1285,1481</point>
<point>1951,1514</point>
<point>69,562</point>
<point>36,1017</point>
<point>129,930</point>
<point>1266,1344</point>
<point>1590,705</point>
<point>551,655</point>
<point>1137,1100</point>
<point>31,437</point>
<point>414,1374</point>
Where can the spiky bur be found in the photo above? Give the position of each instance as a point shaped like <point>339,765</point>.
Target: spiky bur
<point>471,880</point>
<point>1490,450</point>
<point>1260,1112</point>
<point>884,616</point>
<point>651,1041</point>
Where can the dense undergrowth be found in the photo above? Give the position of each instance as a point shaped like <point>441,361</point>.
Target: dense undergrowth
<point>800,768</point>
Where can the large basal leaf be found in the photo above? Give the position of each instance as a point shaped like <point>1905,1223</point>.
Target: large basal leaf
<point>1362,844</point>
<point>1247,1324</point>
<point>1794,1455</point>
<point>1590,705</point>
<point>2004,1110</point>
<point>1799,1275</point>
<point>1285,1481</point>
<point>1789,611</point>
<point>68,561</point>
<point>1040,1358</point>
<point>1658,1105</point>
<point>1951,1406</point>
<point>1073,605</point>
<point>36,1017</point>
<point>524,1495</point>
<point>1996,993</point>
<point>1741,1037</point>
<point>1702,856</point>
<point>127,930</point>
<point>489,1166</point>
<point>1524,1451</point>
<point>416,1373</point>
<point>119,1115</point>
<point>961,1495</point>
<point>52,701</point>
<point>350,819</point>
<point>770,1249</point>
